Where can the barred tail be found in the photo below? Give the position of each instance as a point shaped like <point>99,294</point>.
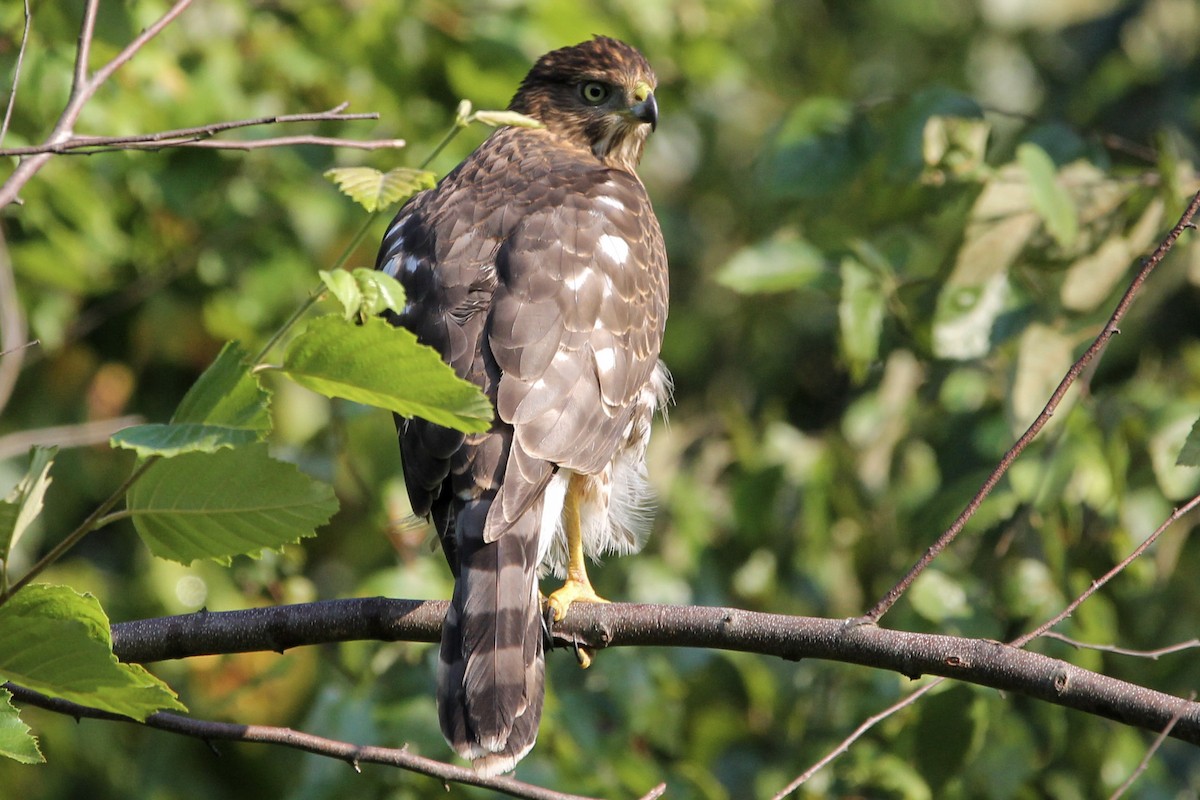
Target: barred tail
<point>491,670</point>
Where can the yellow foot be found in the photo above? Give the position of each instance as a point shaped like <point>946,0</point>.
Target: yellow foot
<point>572,591</point>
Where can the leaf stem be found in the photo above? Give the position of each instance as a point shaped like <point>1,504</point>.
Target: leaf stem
<point>97,519</point>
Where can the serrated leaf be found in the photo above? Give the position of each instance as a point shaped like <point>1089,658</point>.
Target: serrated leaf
<point>364,292</point>
<point>344,288</point>
<point>169,441</point>
<point>1051,200</point>
<point>380,365</point>
<point>860,316</point>
<point>776,265</point>
<point>16,740</point>
<point>1189,455</point>
<point>509,118</point>
<point>56,641</point>
<point>379,291</point>
<point>227,503</point>
<point>227,394</point>
<point>24,502</point>
<point>374,190</point>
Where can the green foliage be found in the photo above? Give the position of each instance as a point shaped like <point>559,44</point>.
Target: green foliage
<point>227,503</point>
<point>56,641</point>
<point>364,292</point>
<point>377,364</point>
<point>375,190</point>
<point>24,502</point>
<point>891,226</point>
<point>16,740</point>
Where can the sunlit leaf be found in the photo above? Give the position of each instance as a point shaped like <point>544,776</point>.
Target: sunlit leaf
<point>227,503</point>
<point>24,502</point>
<point>1043,357</point>
<point>776,265</point>
<point>1189,455</point>
<point>56,641</point>
<point>1052,201</point>
<point>227,394</point>
<point>380,365</point>
<point>173,440</point>
<point>16,740</point>
<point>510,118</point>
<point>364,292</point>
<point>374,190</point>
<point>860,316</point>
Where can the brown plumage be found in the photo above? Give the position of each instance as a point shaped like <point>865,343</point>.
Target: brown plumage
<point>537,269</point>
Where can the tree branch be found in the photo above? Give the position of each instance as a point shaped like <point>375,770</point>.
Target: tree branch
<point>198,136</point>
<point>352,754</point>
<point>12,94</point>
<point>978,661</point>
<point>1097,346</point>
<point>77,435</point>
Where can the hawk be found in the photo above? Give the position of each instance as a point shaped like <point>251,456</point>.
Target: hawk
<point>537,270</point>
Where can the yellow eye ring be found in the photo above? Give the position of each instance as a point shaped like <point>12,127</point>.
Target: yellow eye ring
<point>594,93</point>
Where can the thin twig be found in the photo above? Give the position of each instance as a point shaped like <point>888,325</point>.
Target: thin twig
<point>256,144</point>
<point>352,754</point>
<point>1153,655</point>
<point>1021,641</point>
<point>12,95</point>
<point>1101,341</point>
<point>844,745</point>
<point>81,434</point>
<point>186,136</point>
<point>1155,745</point>
<point>83,88</point>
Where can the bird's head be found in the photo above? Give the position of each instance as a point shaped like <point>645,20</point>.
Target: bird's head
<point>597,95</point>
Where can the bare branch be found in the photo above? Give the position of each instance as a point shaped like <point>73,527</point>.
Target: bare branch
<point>1112,573</point>
<point>1153,655</point>
<point>256,144</point>
<point>844,744</point>
<point>83,49</point>
<point>1145,762</point>
<point>78,435</point>
<point>352,754</point>
<point>82,90</point>
<point>190,136</point>
<point>12,95</point>
<point>13,331</point>
<point>1097,346</point>
<point>979,661</point>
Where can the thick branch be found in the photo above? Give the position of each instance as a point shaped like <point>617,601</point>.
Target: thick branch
<point>352,754</point>
<point>978,661</point>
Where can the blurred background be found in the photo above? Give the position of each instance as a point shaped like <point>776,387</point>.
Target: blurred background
<point>892,225</point>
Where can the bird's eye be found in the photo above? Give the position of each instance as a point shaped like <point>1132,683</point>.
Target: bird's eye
<point>594,93</point>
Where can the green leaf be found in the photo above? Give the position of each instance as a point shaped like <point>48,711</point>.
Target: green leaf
<point>381,365</point>
<point>1051,200</point>
<point>227,394</point>
<point>860,316</point>
<point>1189,455</point>
<point>364,292</point>
<point>497,119</point>
<point>227,503</point>
<point>375,190</point>
<point>56,641</point>
<point>776,265</point>
<point>173,440</point>
<point>16,742</point>
<point>24,502</point>
<point>344,288</point>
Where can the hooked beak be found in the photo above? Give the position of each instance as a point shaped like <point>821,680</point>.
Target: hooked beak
<point>646,109</point>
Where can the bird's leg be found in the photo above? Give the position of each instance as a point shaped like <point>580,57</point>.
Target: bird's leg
<point>577,586</point>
